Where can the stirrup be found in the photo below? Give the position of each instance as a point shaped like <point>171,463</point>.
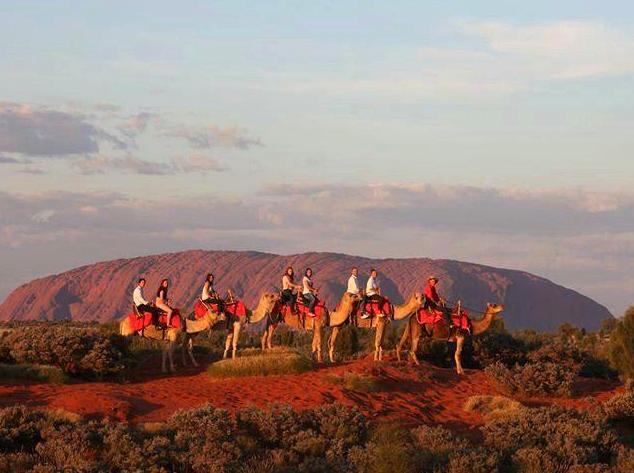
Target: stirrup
<point>365,315</point>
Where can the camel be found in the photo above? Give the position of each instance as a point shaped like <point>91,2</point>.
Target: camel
<point>300,322</point>
<point>169,335</point>
<point>401,311</point>
<point>413,333</point>
<point>264,307</point>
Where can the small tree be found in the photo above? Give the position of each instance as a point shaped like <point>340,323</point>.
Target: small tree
<point>621,347</point>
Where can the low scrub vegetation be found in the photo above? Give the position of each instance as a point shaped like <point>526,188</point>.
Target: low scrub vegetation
<point>532,379</point>
<point>27,372</point>
<point>77,351</point>
<point>329,438</point>
<point>253,362</point>
<point>355,382</point>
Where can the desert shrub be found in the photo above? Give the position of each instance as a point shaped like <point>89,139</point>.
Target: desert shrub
<point>491,406</point>
<point>532,379</point>
<point>76,351</point>
<point>390,450</point>
<point>583,361</point>
<point>355,382</point>
<point>624,460</point>
<point>474,460</point>
<point>620,407</point>
<point>493,347</point>
<point>20,429</point>
<point>438,352</point>
<point>621,345</point>
<point>253,362</point>
<point>348,344</point>
<point>550,439</point>
<point>67,446</point>
<point>40,373</point>
<point>435,446</point>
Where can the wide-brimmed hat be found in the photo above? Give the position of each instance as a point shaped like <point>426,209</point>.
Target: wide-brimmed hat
<point>432,277</point>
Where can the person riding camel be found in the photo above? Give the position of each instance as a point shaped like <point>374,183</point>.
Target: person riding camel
<point>139,300</point>
<point>210,295</point>
<point>353,282</point>
<point>288,288</point>
<point>163,302</point>
<point>434,302</point>
<point>309,292</point>
<point>372,293</point>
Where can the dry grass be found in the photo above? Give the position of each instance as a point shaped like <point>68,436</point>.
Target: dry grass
<point>253,362</point>
<point>491,406</point>
<point>355,382</point>
<point>40,373</point>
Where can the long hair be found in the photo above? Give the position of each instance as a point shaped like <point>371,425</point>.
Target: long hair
<point>210,275</point>
<point>306,272</point>
<point>290,276</point>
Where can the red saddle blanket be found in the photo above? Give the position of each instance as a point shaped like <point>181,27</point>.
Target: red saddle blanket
<point>139,323</point>
<point>284,309</point>
<point>460,320</point>
<point>237,309</point>
<point>382,307</point>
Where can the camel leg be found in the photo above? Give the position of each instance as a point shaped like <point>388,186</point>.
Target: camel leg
<point>164,358</point>
<point>228,342</point>
<point>264,337</point>
<point>331,344</point>
<point>184,348</point>
<point>236,336</point>
<point>316,343</point>
<point>378,339</point>
<point>269,341</point>
<point>170,355</point>
<point>190,350</point>
<point>403,341</point>
<point>458,354</point>
<point>415,335</point>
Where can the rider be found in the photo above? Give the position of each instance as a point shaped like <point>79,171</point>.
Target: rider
<point>288,288</point>
<point>353,282</point>
<point>309,292</point>
<point>209,294</point>
<point>434,302</point>
<point>162,300</point>
<point>139,300</point>
<point>372,293</point>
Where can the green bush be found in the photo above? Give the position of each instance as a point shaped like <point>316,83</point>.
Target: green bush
<point>532,379</point>
<point>621,345</point>
<point>41,373</point>
<point>254,362</point>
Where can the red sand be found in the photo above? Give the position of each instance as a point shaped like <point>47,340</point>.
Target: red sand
<point>412,395</point>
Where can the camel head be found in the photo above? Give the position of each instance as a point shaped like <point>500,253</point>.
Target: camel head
<point>494,308</point>
<point>349,298</point>
<point>419,297</point>
<point>268,301</point>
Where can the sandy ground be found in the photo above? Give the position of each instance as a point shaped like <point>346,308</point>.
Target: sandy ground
<point>408,394</point>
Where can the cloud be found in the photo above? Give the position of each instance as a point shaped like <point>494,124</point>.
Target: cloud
<point>41,132</point>
<point>560,50</point>
<point>137,124</point>
<point>8,160</point>
<point>212,136</point>
<point>103,164</point>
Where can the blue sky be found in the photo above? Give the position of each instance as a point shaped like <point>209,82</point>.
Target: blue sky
<point>495,132</point>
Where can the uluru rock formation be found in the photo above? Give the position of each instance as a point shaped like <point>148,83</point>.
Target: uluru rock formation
<point>102,291</point>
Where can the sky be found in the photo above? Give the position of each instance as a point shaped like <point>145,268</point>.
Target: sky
<point>496,132</point>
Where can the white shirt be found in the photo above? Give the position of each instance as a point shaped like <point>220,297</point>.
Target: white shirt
<point>308,284</point>
<point>353,285</point>
<point>208,289</point>
<point>372,287</point>
<point>137,296</point>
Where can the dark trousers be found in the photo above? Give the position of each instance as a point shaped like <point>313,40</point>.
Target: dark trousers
<point>311,300</point>
<point>445,311</point>
<point>152,310</point>
<point>213,300</point>
<point>366,299</point>
<point>287,297</point>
